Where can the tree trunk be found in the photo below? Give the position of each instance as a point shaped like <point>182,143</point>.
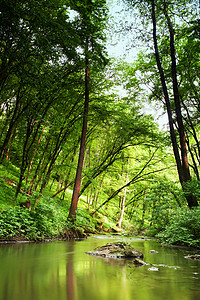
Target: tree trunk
<point>24,161</point>
<point>181,162</point>
<point>122,208</point>
<point>77,184</point>
<point>182,138</point>
<point>121,213</point>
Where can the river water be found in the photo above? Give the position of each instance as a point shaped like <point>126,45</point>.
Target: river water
<point>63,271</point>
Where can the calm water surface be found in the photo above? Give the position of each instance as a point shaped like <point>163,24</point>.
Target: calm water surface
<point>62,271</point>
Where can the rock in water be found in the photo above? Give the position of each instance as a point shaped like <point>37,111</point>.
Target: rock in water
<point>154,269</point>
<point>194,256</point>
<point>153,251</point>
<point>116,250</point>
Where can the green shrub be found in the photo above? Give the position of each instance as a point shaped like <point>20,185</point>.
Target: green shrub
<point>192,187</point>
<point>84,220</point>
<point>45,221</point>
<point>183,229</point>
<point>16,222</point>
<point>159,219</point>
<point>50,218</point>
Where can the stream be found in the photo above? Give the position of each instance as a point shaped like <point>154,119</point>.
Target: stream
<point>62,270</point>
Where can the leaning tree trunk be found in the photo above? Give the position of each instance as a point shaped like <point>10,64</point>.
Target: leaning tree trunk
<point>77,184</point>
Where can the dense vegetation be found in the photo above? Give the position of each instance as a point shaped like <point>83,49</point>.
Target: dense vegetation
<point>80,148</point>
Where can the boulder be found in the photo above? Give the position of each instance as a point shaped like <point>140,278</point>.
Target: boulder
<point>117,250</point>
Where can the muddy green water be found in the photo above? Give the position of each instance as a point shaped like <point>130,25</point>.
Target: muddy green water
<point>62,271</point>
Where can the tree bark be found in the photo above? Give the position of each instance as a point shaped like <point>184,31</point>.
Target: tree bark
<point>181,161</point>
<point>122,208</point>
<point>77,184</point>
<point>182,138</point>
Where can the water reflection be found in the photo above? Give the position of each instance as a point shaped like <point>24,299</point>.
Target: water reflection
<point>62,270</point>
<point>71,281</point>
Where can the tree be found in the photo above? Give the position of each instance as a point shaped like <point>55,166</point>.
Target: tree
<point>123,199</point>
<point>161,13</point>
<point>77,184</point>
<point>37,58</point>
<point>91,22</point>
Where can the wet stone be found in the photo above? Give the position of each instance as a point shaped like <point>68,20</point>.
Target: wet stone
<point>194,256</point>
<point>153,251</point>
<point>117,250</point>
<point>153,269</point>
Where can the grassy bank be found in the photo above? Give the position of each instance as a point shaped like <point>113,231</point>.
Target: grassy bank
<point>47,217</point>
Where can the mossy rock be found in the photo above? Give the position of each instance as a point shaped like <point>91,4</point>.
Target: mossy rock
<point>117,250</point>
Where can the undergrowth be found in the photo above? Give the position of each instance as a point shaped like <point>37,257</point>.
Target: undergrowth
<point>183,228</point>
<point>46,220</point>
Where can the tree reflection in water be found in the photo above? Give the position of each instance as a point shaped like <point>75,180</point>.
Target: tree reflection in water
<point>70,272</point>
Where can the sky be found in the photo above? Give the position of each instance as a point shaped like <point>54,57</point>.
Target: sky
<point>119,45</point>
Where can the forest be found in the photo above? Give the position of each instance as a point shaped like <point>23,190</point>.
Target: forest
<point>79,152</point>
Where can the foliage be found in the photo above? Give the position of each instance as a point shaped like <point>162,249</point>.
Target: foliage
<point>183,228</point>
<point>164,196</point>
<point>8,177</point>
<point>85,221</point>
<point>192,187</point>
<point>45,221</point>
<point>42,61</point>
<point>167,58</point>
<point>17,222</point>
<point>49,218</point>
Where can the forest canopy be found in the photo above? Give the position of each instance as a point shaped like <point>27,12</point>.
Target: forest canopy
<point>75,135</point>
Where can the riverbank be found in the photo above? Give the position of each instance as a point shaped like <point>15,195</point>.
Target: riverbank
<point>47,219</point>
<point>65,235</point>
<point>70,234</point>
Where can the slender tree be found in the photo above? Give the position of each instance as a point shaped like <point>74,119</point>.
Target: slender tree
<point>77,184</point>
<point>182,163</point>
<point>91,25</point>
<point>159,12</point>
